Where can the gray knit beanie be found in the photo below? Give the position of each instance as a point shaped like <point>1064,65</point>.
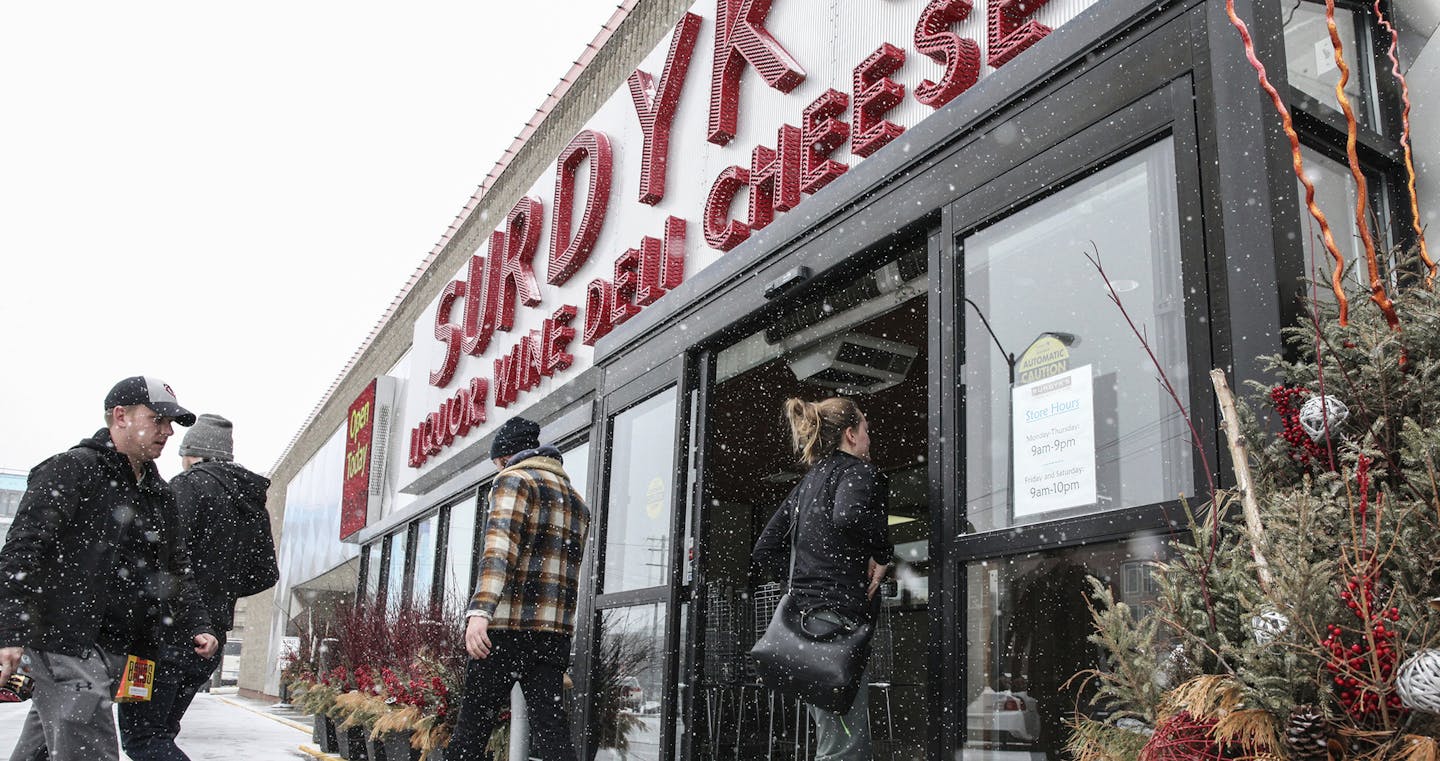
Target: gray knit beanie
<point>212,437</point>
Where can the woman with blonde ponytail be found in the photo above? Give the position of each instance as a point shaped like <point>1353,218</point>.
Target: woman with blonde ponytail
<point>841,549</point>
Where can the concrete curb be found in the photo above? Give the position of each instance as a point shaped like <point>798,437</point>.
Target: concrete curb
<point>272,717</point>
<point>311,750</point>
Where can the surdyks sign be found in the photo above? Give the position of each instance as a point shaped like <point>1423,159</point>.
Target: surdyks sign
<point>953,40</point>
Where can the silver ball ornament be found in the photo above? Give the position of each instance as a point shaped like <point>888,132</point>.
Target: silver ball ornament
<point>1418,681</point>
<point>1268,625</point>
<point>1320,412</point>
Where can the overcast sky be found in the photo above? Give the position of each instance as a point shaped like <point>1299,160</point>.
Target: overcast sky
<point>228,196</point>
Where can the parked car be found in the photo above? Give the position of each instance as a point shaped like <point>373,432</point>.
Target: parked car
<point>1003,717</point>
<point>632,695</point>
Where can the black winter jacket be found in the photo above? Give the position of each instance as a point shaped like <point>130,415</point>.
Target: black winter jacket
<point>95,558</point>
<point>222,509</point>
<point>842,504</point>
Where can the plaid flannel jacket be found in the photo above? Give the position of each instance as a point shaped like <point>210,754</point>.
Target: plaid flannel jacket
<point>534,541</point>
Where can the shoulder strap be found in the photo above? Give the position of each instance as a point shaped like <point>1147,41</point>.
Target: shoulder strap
<point>831,487</point>
<point>794,541</point>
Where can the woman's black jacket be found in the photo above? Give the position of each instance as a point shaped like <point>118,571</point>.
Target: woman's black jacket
<point>841,503</point>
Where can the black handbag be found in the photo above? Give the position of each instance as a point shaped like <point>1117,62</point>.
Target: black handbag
<point>816,656</point>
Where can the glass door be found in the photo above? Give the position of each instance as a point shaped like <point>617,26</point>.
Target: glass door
<point>635,709</point>
<point>868,338</point>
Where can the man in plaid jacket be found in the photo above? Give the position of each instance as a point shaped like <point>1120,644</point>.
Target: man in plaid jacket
<point>522,615</point>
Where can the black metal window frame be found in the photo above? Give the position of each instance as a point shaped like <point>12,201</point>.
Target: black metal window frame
<point>1322,127</point>
<point>1168,112</point>
<point>382,587</point>
<point>675,373</point>
<point>444,512</point>
<point>1045,177</point>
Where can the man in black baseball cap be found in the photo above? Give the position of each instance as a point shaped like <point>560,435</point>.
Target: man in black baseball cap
<point>94,569</point>
<point>151,392</point>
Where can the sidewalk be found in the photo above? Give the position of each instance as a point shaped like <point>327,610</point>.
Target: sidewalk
<point>220,726</point>
<point>284,713</point>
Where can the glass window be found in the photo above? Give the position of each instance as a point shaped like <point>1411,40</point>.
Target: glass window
<point>1027,629</point>
<point>10,502</point>
<point>1335,195</point>
<point>577,464</point>
<point>460,555</point>
<point>425,536</point>
<point>630,683</point>
<point>1064,379</point>
<point>1310,58</point>
<point>373,570</point>
<point>395,584</point>
<point>637,530</point>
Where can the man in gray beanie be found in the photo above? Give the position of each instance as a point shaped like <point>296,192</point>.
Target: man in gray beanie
<point>225,525</point>
<point>211,438</point>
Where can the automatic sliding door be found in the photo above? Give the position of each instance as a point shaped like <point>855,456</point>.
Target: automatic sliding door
<point>634,651</point>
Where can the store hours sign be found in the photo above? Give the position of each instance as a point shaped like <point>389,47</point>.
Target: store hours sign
<point>1054,442</point>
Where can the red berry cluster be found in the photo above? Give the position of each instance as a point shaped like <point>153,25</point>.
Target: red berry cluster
<point>1287,402</point>
<point>442,698</point>
<point>1359,700</point>
<point>408,690</point>
<point>365,680</point>
<point>339,678</point>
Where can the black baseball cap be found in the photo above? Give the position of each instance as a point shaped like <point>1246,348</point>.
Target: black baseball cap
<point>151,392</point>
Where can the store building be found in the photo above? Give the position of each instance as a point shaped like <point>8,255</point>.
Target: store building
<point>734,202</point>
<point>12,488</point>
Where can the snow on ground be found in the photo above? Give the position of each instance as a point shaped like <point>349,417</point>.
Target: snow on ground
<point>218,727</point>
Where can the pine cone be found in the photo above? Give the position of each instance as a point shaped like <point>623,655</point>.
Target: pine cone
<point>1306,734</point>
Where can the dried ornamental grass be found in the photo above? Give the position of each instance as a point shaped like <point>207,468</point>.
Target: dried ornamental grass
<point>1255,732</point>
<point>357,709</point>
<point>1209,698</point>
<point>396,719</point>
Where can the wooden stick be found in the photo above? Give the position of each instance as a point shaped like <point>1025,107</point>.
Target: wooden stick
<point>1240,455</point>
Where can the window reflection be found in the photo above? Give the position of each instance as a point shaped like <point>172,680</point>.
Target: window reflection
<point>460,554</point>
<point>637,530</point>
<point>1093,427</point>
<point>373,570</point>
<point>577,465</point>
<point>424,578</point>
<point>395,585</point>
<point>1335,194</point>
<point>1027,629</point>
<point>1310,58</point>
<point>629,683</point>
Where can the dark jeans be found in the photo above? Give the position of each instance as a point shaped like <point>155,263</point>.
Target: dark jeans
<point>148,729</point>
<point>536,660</point>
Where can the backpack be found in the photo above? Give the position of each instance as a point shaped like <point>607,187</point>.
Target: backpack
<point>252,566</point>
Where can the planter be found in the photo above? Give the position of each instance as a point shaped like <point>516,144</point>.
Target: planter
<point>375,749</point>
<point>352,744</point>
<point>324,733</point>
<point>397,747</point>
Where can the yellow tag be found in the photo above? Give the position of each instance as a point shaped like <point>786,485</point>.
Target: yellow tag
<point>137,680</point>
